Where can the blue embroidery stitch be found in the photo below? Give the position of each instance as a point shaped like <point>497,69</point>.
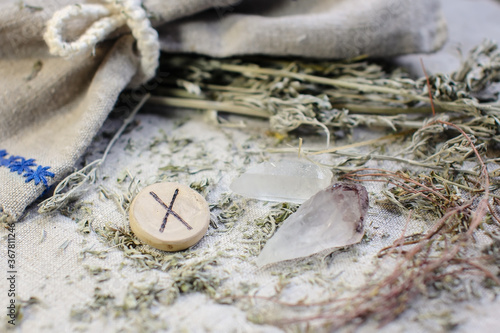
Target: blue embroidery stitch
<point>46,191</point>
<point>21,166</point>
<point>6,161</point>
<point>38,175</point>
<point>3,153</point>
<point>24,166</point>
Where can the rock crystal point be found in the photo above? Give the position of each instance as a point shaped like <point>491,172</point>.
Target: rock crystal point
<point>332,218</point>
<point>284,181</point>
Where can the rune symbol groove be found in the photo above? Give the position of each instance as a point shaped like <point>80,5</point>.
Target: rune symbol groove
<point>169,210</point>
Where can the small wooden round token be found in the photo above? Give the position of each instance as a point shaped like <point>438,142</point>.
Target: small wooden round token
<point>169,216</point>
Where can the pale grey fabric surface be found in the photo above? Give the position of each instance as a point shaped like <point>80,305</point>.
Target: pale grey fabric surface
<point>469,22</point>
<point>318,29</point>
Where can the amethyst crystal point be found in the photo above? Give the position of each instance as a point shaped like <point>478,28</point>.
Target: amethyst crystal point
<point>332,218</point>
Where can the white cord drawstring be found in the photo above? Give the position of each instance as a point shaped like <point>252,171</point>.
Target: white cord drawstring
<point>107,17</point>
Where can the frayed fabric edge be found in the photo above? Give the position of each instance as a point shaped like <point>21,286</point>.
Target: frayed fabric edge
<point>4,217</point>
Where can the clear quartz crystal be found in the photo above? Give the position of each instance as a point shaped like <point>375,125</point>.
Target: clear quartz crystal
<point>287,180</point>
<point>332,218</point>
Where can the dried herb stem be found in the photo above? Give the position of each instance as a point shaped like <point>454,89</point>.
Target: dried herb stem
<point>372,109</point>
<point>72,186</point>
<point>389,137</point>
<point>209,105</point>
<point>466,105</point>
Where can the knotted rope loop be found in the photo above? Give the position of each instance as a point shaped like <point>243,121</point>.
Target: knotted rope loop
<point>107,17</point>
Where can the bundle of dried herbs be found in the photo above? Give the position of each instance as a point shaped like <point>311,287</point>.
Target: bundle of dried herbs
<point>334,95</point>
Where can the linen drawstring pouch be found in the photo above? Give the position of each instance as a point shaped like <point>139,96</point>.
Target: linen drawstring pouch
<point>63,63</point>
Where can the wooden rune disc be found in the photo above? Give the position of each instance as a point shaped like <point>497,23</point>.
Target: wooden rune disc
<point>169,216</point>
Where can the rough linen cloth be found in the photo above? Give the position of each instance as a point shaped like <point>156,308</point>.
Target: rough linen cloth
<point>51,107</point>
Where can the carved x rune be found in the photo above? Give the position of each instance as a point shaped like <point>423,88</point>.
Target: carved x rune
<point>169,210</point>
